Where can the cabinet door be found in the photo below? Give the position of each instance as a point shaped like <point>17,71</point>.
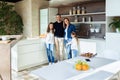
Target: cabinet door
<point>112,7</point>
<point>43,20</point>
<point>46,16</point>
<point>112,46</point>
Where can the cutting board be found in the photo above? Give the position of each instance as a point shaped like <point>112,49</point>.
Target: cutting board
<point>7,41</point>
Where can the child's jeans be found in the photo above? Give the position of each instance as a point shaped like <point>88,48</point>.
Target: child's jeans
<point>50,54</point>
<point>74,53</point>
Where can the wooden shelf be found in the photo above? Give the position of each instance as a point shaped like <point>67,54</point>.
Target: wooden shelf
<point>96,13</point>
<point>93,22</point>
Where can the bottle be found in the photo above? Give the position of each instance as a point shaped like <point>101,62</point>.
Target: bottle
<point>78,9</point>
<point>89,18</point>
<point>76,19</point>
<point>74,10</point>
<point>70,12</point>
<point>83,19</point>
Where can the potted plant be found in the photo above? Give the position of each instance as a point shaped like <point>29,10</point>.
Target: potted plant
<point>115,24</point>
<point>10,22</point>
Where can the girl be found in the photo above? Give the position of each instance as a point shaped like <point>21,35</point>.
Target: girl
<point>74,45</point>
<point>50,43</point>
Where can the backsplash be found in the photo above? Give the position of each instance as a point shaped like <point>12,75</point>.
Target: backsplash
<point>90,30</point>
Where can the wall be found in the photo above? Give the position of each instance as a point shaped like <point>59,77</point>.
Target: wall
<point>29,11</point>
<point>24,9</point>
<point>36,6</point>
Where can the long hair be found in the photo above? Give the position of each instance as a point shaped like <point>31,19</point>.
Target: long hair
<point>64,25</point>
<point>74,33</point>
<point>48,28</point>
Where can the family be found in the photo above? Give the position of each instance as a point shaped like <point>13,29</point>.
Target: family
<point>61,36</point>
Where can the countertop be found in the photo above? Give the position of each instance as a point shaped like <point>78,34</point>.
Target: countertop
<point>12,39</point>
<point>64,70</point>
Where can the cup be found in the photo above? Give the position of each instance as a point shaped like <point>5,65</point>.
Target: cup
<point>92,30</point>
<point>97,30</point>
<point>4,38</point>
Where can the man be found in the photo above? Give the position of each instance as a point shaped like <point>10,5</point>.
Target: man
<point>59,34</point>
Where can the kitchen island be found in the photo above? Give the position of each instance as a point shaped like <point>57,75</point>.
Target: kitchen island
<point>5,56</point>
<point>65,70</point>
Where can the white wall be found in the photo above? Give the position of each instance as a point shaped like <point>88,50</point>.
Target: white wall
<point>29,11</point>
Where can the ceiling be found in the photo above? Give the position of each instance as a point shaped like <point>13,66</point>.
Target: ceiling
<point>65,2</point>
<point>13,1</point>
<point>57,2</point>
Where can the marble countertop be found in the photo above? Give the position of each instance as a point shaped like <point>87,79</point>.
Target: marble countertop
<point>11,39</point>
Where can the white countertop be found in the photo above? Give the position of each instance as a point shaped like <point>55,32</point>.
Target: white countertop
<point>65,70</point>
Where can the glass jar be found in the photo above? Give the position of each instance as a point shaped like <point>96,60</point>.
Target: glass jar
<point>78,9</point>
<point>83,10</point>
<point>74,10</point>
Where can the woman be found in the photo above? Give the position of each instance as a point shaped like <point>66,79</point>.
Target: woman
<point>69,28</point>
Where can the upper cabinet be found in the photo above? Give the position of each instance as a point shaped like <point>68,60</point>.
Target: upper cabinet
<point>47,15</point>
<point>112,7</point>
<point>112,11</point>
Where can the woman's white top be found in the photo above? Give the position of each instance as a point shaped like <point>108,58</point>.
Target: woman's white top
<point>66,33</point>
<point>50,38</point>
<point>74,44</point>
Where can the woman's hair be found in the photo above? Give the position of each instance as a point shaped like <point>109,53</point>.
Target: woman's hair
<point>48,28</point>
<point>74,33</point>
<point>64,25</point>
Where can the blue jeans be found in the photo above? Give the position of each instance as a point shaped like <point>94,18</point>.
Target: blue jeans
<point>50,54</point>
<point>74,53</point>
<point>68,49</point>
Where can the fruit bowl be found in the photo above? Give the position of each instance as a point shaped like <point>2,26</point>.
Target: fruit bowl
<point>88,54</point>
<point>81,66</point>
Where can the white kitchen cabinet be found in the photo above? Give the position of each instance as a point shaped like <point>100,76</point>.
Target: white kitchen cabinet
<point>112,46</point>
<point>92,45</point>
<point>112,7</point>
<point>47,15</point>
<point>28,53</point>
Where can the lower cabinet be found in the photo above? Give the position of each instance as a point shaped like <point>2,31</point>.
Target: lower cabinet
<point>93,46</point>
<point>28,53</point>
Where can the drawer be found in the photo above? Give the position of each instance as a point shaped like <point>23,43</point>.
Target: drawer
<point>23,49</point>
<point>31,41</point>
<point>31,58</point>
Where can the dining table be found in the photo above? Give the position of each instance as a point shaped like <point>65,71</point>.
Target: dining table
<point>100,69</point>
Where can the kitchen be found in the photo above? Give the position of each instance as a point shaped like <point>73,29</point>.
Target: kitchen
<point>30,45</point>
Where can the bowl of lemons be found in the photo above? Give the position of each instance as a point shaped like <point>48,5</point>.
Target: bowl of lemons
<point>81,65</point>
